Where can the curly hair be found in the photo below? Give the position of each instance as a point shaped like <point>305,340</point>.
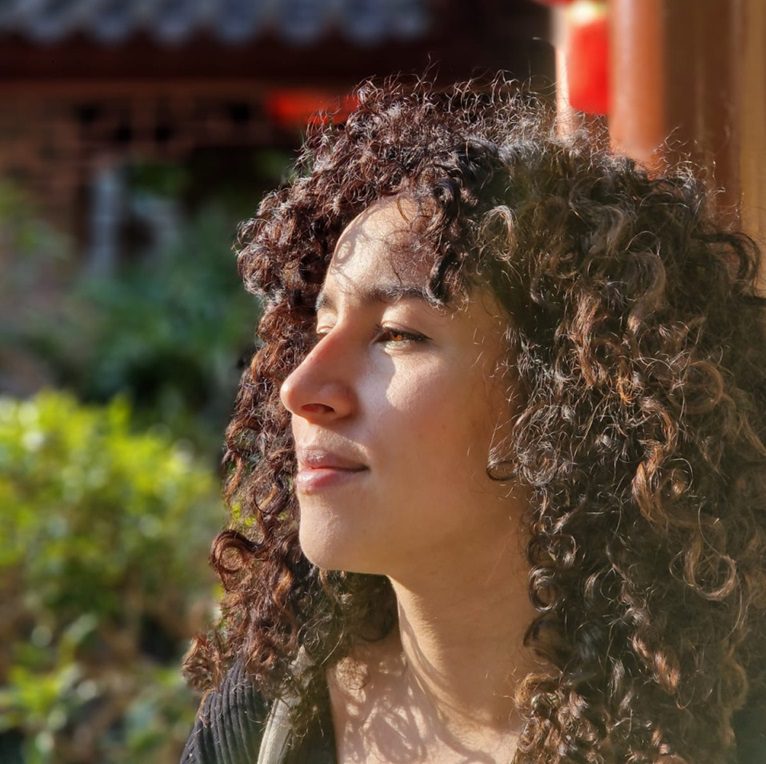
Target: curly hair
<point>638,339</point>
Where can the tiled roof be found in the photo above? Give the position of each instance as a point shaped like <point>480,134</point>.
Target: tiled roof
<point>299,22</point>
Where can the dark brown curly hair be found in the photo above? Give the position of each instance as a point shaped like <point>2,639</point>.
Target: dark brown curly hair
<point>638,338</point>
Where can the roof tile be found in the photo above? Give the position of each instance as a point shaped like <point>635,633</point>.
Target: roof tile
<point>299,22</point>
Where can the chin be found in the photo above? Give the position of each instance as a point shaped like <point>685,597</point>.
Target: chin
<point>328,551</point>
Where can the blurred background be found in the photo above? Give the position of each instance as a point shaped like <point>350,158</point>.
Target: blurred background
<point>134,136</point>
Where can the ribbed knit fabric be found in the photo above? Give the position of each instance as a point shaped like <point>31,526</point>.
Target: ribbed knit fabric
<point>750,724</point>
<point>236,726</point>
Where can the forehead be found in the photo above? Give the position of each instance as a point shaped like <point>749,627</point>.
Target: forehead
<point>377,252</point>
<point>376,262</point>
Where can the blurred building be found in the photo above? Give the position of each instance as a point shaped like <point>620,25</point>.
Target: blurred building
<point>89,88</point>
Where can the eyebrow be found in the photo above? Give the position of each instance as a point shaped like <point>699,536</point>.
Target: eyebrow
<point>387,294</point>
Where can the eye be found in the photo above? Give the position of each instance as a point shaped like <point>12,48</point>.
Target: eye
<point>390,334</point>
<point>317,336</point>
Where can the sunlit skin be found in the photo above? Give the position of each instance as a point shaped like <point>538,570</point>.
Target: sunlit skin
<point>414,394</point>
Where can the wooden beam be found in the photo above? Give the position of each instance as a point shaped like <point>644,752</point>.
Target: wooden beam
<point>688,80</point>
<point>753,117</point>
<point>637,120</point>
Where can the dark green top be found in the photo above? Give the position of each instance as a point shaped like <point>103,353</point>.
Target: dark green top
<point>236,726</point>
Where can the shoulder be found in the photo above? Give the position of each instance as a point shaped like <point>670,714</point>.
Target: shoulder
<point>236,725</point>
<point>229,724</point>
<point>750,726</point>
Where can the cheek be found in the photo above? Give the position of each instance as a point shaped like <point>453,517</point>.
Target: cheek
<point>441,414</point>
<point>413,398</point>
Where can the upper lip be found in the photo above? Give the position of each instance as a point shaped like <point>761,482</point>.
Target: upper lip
<point>315,457</point>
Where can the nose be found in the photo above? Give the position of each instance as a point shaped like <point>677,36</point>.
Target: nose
<point>321,388</point>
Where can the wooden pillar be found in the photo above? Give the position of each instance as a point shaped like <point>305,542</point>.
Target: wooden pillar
<point>688,79</point>
<point>566,117</point>
<point>637,120</point>
<point>753,116</point>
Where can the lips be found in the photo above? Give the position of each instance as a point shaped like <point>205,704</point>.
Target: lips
<point>319,469</point>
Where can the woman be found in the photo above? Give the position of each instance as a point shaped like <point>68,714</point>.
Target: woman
<point>497,471</point>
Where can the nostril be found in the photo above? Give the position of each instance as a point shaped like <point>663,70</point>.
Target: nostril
<point>315,408</point>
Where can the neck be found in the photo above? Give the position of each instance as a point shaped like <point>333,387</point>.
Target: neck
<point>461,638</point>
<point>441,687</point>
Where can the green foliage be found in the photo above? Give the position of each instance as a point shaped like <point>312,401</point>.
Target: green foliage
<point>105,516</point>
<point>26,240</point>
<point>163,179</point>
<point>103,545</point>
<point>32,255</point>
<point>166,331</point>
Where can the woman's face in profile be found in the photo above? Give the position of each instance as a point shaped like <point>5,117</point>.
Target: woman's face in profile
<point>394,412</point>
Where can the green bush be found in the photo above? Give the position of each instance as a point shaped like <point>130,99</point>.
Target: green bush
<point>27,242</point>
<point>34,260</point>
<point>165,330</point>
<point>104,535</point>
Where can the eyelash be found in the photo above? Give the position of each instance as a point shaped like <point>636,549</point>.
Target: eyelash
<point>409,337</point>
<point>383,331</point>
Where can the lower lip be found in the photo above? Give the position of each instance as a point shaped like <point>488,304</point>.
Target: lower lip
<point>312,480</point>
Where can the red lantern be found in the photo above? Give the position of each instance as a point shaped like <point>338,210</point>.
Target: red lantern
<point>587,56</point>
<point>295,108</point>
